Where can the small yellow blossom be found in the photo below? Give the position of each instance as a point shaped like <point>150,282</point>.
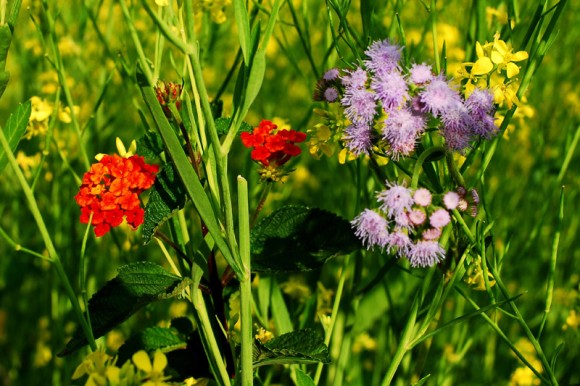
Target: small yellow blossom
<point>153,372</point>
<point>162,3</point>
<point>572,321</point>
<point>96,365</point>
<point>263,335</point>
<point>39,116</point>
<point>475,276</point>
<point>27,163</point>
<point>502,55</point>
<point>64,115</point>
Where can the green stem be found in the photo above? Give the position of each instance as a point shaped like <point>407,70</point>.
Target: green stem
<point>419,164</point>
<point>433,11</point>
<point>140,53</point>
<point>453,170</point>
<point>83,281</point>
<point>261,202</point>
<point>54,257</point>
<point>245,283</point>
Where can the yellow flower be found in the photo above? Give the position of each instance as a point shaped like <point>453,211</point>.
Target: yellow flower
<point>97,365</point>
<point>153,371</point>
<point>64,115</point>
<point>504,92</point>
<point>27,163</point>
<point>39,115</point>
<point>502,55</point>
<point>162,3</point>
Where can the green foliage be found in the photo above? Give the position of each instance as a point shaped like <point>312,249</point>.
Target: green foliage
<point>150,340</point>
<point>301,346</point>
<point>135,286</point>
<point>298,238</point>
<point>14,130</point>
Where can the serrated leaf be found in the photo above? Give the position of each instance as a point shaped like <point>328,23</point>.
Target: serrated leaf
<point>135,286</point>
<point>150,340</point>
<point>222,125</point>
<point>150,145</point>
<point>298,238</point>
<point>14,130</point>
<point>301,346</point>
<point>167,196</point>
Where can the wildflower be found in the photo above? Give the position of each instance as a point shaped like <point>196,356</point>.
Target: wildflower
<point>272,147</point>
<point>390,89</point>
<point>438,96</point>
<point>358,139</point>
<point>420,73</point>
<point>331,74</point>
<point>371,228</point>
<point>401,130</point>
<point>439,218</point>
<point>425,253</point>
<point>110,192</point>
<point>422,197</point>
<point>395,200</point>
<point>431,234</point>
<point>480,106</point>
<point>359,105</point>
<point>356,79</point>
<point>417,216</point>
<point>168,93</point>
<point>457,126</point>
<point>400,241</point>
<point>38,120</point>
<point>99,367</point>
<point>153,371</point>
<point>330,94</point>
<point>383,57</point>
<point>451,200</point>
<point>502,55</point>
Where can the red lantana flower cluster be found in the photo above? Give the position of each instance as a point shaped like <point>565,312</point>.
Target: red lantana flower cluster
<point>272,147</point>
<point>110,192</point>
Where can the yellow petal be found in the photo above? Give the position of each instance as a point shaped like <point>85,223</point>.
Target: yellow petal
<point>479,50</point>
<point>497,57</point>
<point>81,370</point>
<point>142,361</point>
<point>512,70</point>
<point>501,47</point>
<point>120,147</point>
<point>482,66</point>
<point>162,3</point>
<point>520,55</point>
<point>159,361</point>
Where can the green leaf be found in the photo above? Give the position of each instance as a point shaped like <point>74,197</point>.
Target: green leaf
<point>5,40</point>
<point>222,125</point>
<point>152,339</point>
<point>136,285</point>
<point>14,129</point>
<point>298,238</point>
<point>167,196</point>
<point>150,145</point>
<point>302,346</point>
<point>303,379</point>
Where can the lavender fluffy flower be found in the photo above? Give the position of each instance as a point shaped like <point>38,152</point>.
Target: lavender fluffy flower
<point>457,126</point>
<point>358,139</point>
<point>438,96</point>
<point>360,106</point>
<point>383,57</point>
<point>331,74</point>
<point>331,94</point>
<point>397,199</point>
<point>401,130</point>
<point>400,241</point>
<point>356,79</point>
<point>480,106</point>
<point>425,253</point>
<point>420,73</point>
<point>371,228</point>
<point>451,200</point>
<point>439,218</point>
<point>390,89</point>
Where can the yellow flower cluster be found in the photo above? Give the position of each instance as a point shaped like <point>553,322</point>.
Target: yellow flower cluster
<point>324,137</point>
<point>214,7</point>
<point>495,67</point>
<point>40,114</point>
<point>102,370</point>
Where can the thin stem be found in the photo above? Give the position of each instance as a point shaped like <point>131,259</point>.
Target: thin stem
<point>245,284</point>
<point>83,277</point>
<point>260,206</point>
<point>140,53</point>
<point>54,257</point>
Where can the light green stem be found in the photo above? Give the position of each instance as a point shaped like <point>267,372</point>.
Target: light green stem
<point>54,257</point>
<point>245,283</point>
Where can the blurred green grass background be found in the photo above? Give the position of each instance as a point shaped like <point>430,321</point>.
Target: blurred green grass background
<point>522,183</point>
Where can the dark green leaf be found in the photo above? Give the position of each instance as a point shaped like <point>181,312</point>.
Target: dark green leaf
<point>4,78</point>
<point>136,285</point>
<point>302,346</point>
<point>298,238</point>
<point>167,196</point>
<point>151,340</point>
<point>222,125</point>
<point>14,130</point>
<point>150,145</point>
<point>5,40</point>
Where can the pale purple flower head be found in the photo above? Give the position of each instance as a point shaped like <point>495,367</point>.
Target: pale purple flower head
<point>420,73</point>
<point>395,200</point>
<point>403,221</point>
<point>431,234</point>
<point>371,228</point>
<point>417,216</point>
<point>457,126</point>
<point>451,200</point>
<point>422,197</point>
<point>425,253</point>
<point>356,79</point>
<point>383,57</point>
<point>399,240</point>
<point>360,106</point>
<point>480,106</point>
<point>439,218</point>
<point>331,94</point>
<point>438,96</point>
<point>358,139</point>
<point>331,74</point>
<point>401,130</point>
<point>391,89</point>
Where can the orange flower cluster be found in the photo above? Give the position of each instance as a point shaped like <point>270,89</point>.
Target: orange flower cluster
<point>110,192</point>
<point>272,147</point>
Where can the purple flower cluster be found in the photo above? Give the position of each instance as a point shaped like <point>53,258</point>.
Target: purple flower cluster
<point>389,105</point>
<point>407,223</point>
